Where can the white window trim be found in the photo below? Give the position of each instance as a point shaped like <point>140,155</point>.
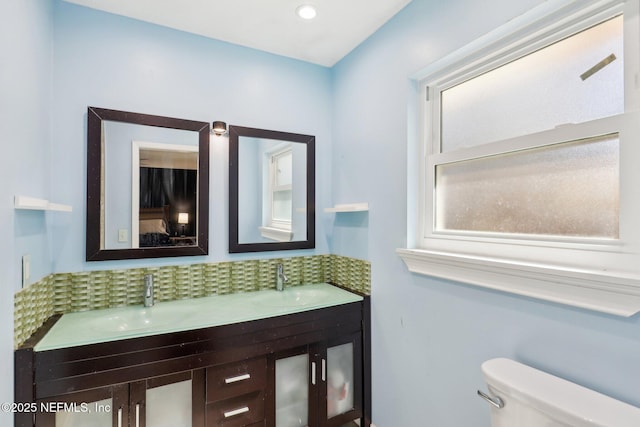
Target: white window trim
<point>596,274</point>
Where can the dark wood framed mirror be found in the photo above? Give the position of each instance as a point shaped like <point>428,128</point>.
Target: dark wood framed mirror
<point>147,186</point>
<point>271,190</point>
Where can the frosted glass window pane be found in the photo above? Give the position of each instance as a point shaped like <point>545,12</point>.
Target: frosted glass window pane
<point>92,418</point>
<point>539,91</point>
<point>339,379</point>
<point>169,405</point>
<point>570,189</point>
<point>292,391</point>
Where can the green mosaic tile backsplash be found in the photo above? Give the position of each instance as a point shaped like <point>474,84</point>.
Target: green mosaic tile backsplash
<point>92,290</point>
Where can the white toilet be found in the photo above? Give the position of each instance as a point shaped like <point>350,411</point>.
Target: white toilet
<point>521,396</point>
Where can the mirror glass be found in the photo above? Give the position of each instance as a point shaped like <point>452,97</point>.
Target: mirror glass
<point>272,190</point>
<point>147,193</point>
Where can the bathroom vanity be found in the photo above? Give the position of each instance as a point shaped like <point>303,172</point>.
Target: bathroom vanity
<point>298,357</point>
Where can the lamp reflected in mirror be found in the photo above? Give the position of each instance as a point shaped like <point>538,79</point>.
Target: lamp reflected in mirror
<point>183,218</point>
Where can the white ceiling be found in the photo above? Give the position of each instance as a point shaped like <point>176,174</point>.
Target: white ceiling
<point>268,25</point>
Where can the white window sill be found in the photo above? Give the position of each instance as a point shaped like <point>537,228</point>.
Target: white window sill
<point>276,234</point>
<point>612,293</point>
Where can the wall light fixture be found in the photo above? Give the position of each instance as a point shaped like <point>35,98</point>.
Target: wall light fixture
<point>219,128</point>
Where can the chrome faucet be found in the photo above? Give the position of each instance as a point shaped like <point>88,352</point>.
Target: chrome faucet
<point>281,278</point>
<point>148,290</point>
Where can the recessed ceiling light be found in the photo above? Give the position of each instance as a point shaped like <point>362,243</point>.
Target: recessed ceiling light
<point>306,11</point>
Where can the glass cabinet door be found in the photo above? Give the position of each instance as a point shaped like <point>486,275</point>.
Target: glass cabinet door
<point>102,407</point>
<point>167,401</point>
<point>292,391</point>
<point>342,375</point>
<point>73,418</point>
<point>340,379</point>
<point>169,405</point>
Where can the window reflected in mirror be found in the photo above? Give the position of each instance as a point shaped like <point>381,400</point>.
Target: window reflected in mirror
<point>280,191</point>
<point>272,190</point>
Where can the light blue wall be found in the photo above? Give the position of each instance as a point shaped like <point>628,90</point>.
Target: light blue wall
<point>109,61</point>
<point>25,99</point>
<point>25,80</point>
<point>430,336</point>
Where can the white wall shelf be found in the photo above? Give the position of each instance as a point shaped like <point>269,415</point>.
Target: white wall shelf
<point>349,207</point>
<point>32,203</point>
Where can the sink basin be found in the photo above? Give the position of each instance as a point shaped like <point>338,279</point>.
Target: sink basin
<point>301,296</point>
<point>140,318</point>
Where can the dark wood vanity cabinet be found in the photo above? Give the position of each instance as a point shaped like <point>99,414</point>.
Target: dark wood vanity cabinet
<point>231,372</point>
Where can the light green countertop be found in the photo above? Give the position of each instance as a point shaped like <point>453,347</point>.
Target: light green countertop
<point>90,327</point>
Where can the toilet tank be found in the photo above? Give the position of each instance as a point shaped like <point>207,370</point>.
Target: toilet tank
<point>533,398</point>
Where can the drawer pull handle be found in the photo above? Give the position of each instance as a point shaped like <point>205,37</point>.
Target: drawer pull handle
<point>236,379</point>
<point>313,373</point>
<point>236,412</point>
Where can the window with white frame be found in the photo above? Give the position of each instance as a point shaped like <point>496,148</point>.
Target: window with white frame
<point>530,151</point>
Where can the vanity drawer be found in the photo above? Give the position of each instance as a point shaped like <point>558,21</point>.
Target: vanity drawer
<point>238,411</point>
<point>235,379</point>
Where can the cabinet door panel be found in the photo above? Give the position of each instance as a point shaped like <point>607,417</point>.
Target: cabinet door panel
<point>343,383</point>
<point>340,375</point>
<point>292,390</point>
<point>169,405</point>
<point>86,419</point>
<point>103,407</point>
<point>168,400</point>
